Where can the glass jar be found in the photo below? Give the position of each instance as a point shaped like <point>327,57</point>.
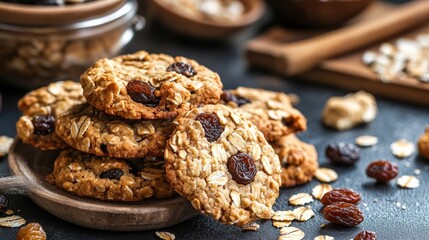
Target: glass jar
<point>33,56</point>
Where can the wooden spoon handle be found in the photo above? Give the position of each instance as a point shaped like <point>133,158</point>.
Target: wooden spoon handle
<point>14,184</point>
<point>300,56</point>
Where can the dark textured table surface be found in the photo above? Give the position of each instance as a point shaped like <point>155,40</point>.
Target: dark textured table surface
<point>380,201</point>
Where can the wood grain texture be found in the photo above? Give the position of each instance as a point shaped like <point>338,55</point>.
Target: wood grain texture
<point>30,167</point>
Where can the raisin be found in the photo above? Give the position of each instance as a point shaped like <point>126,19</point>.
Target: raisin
<point>43,125</point>
<point>366,235</point>
<point>343,153</point>
<point>114,173</point>
<point>142,92</point>
<point>228,96</point>
<point>382,171</point>
<point>340,195</point>
<point>212,127</point>
<point>185,69</point>
<point>3,203</point>
<point>103,148</point>
<point>242,168</point>
<point>288,121</point>
<point>32,231</point>
<point>342,213</point>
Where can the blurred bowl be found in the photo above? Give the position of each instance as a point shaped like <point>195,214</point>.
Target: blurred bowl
<point>316,13</point>
<point>205,28</point>
<point>34,54</point>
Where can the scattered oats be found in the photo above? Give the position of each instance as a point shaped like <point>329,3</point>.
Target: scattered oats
<point>323,225</point>
<point>5,143</point>
<point>404,207</point>
<point>217,178</point>
<point>326,175</point>
<point>407,164</point>
<point>251,227</point>
<point>365,205</point>
<point>9,212</point>
<point>283,216</point>
<point>291,233</point>
<point>281,224</point>
<point>417,171</point>
<point>366,141</point>
<point>165,235</point>
<point>398,204</point>
<point>303,214</point>
<point>12,221</point>
<point>300,199</point>
<point>402,148</point>
<point>320,190</point>
<point>407,181</point>
<point>323,237</point>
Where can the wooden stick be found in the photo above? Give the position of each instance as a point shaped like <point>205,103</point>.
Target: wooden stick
<point>300,56</point>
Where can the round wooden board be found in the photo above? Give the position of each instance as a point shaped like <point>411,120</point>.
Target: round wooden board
<point>32,165</point>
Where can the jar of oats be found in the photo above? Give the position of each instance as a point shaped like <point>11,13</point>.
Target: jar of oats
<point>41,44</point>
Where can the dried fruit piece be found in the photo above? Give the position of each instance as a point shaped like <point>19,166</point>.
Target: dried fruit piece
<point>343,153</point>
<point>3,203</point>
<point>211,125</point>
<point>228,96</point>
<point>32,231</point>
<point>326,175</point>
<point>12,221</point>
<point>5,143</point>
<point>382,171</point>
<point>103,148</point>
<point>402,148</point>
<point>291,233</point>
<point>251,227</point>
<point>183,68</point>
<point>300,199</point>
<point>407,181</point>
<point>165,235</point>
<point>323,237</point>
<point>365,235</point>
<point>242,168</point>
<point>320,190</point>
<point>284,216</point>
<point>302,214</point>
<point>142,92</point>
<point>341,195</point>
<point>114,173</point>
<point>345,214</point>
<point>366,141</point>
<point>43,125</point>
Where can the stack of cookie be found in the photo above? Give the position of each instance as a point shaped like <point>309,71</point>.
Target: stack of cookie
<point>149,125</point>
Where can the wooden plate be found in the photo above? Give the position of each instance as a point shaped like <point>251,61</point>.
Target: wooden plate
<point>30,166</point>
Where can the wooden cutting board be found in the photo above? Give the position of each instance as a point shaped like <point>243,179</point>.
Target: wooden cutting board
<point>345,71</point>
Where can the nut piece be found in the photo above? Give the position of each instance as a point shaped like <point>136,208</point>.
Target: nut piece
<point>5,143</point>
<point>302,214</point>
<point>407,181</point>
<point>284,216</point>
<point>402,148</point>
<point>165,235</point>
<point>326,175</point>
<point>323,237</point>
<point>251,227</point>
<point>320,190</point>
<point>12,221</point>
<point>300,199</point>
<point>346,112</point>
<point>291,233</point>
<point>366,141</point>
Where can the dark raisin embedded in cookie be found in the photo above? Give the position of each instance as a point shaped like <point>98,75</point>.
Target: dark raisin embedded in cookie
<point>43,125</point>
<point>242,168</point>
<point>103,148</point>
<point>115,173</point>
<point>212,127</point>
<point>185,69</point>
<point>142,92</point>
<point>228,96</point>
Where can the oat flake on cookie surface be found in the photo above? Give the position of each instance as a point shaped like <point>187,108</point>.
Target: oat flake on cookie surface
<point>223,165</point>
<point>149,86</point>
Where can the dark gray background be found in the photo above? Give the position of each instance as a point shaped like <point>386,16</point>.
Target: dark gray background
<point>395,121</point>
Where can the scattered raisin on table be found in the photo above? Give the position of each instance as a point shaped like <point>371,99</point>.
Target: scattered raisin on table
<point>114,173</point>
<point>31,231</point>
<point>228,96</point>
<point>340,195</point>
<point>343,153</point>
<point>3,203</point>
<point>366,235</point>
<point>342,213</point>
<point>142,92</point>
<point>382,171</point>
<point>185,69</point>
<point>211,124</point>
<point>43,125</point>
<point>242,168</point>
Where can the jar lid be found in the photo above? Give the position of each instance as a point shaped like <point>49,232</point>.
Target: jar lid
<point>30,15</point>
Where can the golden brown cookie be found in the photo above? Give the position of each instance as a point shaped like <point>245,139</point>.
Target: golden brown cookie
<point>271,112</point>
<point>298,159</point>
<point>109,178</point>
<point>223,165</point>
<point>149,86</point>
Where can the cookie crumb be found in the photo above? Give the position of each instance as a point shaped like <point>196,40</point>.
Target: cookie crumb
<point>9,212</point>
